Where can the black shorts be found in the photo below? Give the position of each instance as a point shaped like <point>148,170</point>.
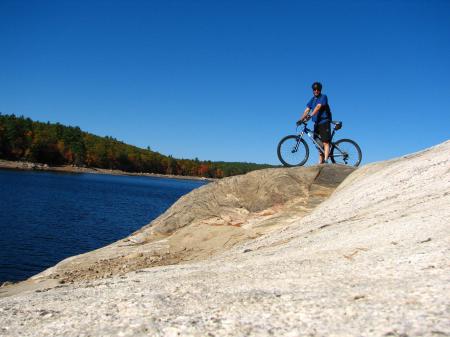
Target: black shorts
<point>324,131</point>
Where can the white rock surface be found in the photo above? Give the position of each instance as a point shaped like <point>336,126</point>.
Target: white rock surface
<point>372,260</point>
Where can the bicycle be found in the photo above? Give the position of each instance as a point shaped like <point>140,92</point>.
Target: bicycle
<point>293,150</point>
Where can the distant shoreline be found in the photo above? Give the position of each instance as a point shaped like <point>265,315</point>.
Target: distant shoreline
<point>29,166</point>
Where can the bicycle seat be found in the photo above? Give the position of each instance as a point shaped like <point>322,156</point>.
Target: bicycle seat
<point>337,124</point>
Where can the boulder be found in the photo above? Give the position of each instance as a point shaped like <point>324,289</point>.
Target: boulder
<point>209,220</point>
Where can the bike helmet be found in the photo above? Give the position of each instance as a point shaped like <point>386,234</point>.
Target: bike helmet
<point>317,85</point>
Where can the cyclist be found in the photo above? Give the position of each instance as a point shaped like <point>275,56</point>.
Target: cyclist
<point>321,117</point>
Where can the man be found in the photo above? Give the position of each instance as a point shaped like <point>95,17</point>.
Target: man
<point>321,117</point>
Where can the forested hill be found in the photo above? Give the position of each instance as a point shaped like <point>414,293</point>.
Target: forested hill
<point>56,144</point>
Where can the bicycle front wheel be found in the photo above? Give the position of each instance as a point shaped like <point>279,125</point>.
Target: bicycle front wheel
<point>346,151</point>
<point>293,151</point>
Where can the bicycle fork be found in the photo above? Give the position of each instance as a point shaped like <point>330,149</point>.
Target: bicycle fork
<point>299,138</point>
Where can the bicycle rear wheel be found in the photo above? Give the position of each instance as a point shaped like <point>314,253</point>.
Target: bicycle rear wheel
<point>346,151</point>
<point>293,151</point>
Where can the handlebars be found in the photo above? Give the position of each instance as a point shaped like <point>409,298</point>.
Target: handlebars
<point>337,124</point>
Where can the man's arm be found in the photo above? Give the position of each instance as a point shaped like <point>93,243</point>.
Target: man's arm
<point>305,113</point>
<point>316,109</point>
<point>322,101</point>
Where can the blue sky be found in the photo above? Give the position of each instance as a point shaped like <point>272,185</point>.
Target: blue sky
<point>225,80</point>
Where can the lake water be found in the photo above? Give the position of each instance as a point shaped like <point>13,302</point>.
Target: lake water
<point>46,217</point>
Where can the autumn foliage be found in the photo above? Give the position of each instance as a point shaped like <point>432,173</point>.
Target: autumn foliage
<point>56,144</point>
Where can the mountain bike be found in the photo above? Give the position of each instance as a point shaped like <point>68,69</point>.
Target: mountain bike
<point>294,151</point>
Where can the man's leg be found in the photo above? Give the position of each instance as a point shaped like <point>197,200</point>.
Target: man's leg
<point>325,135</point>
<point>326,148</point>
<point>317,138</point>
<point>320,157</point>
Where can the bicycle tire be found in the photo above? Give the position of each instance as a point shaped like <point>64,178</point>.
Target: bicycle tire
<point>347,151</point>
<point>297,147</point>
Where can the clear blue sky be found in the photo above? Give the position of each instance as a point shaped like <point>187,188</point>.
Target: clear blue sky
<point>225,80</point>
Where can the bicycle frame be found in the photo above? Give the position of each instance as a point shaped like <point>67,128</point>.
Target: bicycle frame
<point>310,134</point>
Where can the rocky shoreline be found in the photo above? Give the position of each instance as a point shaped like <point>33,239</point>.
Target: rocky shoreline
<point>29,166</point>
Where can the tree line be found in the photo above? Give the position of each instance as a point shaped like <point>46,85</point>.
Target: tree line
<point>23,139</point>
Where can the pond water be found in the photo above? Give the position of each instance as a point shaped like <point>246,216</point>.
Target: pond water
<point>46,217</point>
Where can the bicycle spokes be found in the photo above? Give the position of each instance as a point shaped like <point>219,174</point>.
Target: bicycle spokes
<point>346,151</point>
<point>295,148</point>
<point>292,151</point>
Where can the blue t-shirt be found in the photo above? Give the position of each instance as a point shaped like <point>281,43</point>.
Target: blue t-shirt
<point>322,115</point>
